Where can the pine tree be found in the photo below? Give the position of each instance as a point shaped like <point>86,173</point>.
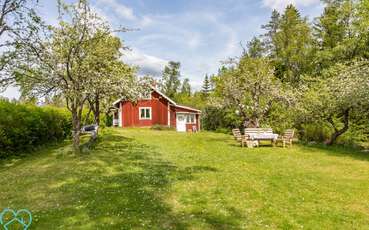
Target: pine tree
<point>339,34</point>
<point>292,46</point>
<point>271,28</point>
<point>170,80</point>
<point>206,87</point>
<point>255,48</point>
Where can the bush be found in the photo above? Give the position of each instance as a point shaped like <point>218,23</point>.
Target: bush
<point>161,127</point>
<point>223,130</point>
<point>215,118</point>
<point>108,120</point>
<point>318,132</point>
<point>24,127</point>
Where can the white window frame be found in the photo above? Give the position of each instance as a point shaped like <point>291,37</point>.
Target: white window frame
<point>145,108</point>
<point>194,118</point>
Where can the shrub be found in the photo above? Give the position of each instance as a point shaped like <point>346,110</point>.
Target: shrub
<point>24,127</point>
<point>318,132</point>
<point>161,127</point>
<point>108,120</point>
<point>214,118</point>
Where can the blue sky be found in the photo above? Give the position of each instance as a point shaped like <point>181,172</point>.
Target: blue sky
<point>198,33</point>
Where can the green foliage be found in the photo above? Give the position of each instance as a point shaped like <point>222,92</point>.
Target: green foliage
<point>186,87</point>
<point>195,100</point>
<point>24,127</point>
<point>341,33</point>
<point>318,132</point>
<point>255,48</point>
<point>206,87</point>
<point>342,92</point>
<point>250,89</point>
<point>215,118</point>
<point>78,58</point>
<point>292,45</point>
<point>161,127</point>
<point>171,79</point>
<point>108,120</point>
<point>323,72</point>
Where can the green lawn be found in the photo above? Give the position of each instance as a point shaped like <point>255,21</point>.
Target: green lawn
<point>143,179</point>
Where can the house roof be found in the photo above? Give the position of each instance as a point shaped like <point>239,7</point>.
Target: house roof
<point>163,95</point>
<point>167,98</point>
<point>189,108</point>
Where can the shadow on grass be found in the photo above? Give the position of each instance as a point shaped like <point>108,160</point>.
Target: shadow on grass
<point>220,221</point>
<point>120,184</point>
<point>339,151</point>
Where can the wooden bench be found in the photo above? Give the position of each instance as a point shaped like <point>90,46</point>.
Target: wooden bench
<point>243,139</point>
<point>237,135</point>
<point>264,134</point>
<point>287,137</point>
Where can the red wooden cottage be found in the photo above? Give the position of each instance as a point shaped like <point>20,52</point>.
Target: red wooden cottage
<point>156,109</point>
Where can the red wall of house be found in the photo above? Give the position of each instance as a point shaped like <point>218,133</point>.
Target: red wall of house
<point>173,117</point>
<point>197,117</point>
<point>159,112</point>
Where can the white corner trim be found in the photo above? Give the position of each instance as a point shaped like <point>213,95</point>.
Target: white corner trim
<point>168,114</point>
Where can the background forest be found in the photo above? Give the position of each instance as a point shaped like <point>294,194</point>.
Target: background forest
<point>312,76</point>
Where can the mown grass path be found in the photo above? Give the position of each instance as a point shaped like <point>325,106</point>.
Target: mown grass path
<point>143,179</point>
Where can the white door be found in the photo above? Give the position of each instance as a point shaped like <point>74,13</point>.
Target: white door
<point>181,122</point>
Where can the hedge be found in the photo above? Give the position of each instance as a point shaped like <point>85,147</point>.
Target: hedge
<point>25,127</point>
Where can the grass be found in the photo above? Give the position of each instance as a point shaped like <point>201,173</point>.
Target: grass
<point>146,179</point>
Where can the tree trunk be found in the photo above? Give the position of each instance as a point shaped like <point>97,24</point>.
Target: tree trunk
<point>76,123</point>
<point>339,132</point>
<point>97,111</point>
<point>87,116</point>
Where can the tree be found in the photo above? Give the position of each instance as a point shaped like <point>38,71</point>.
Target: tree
<point>255,48</point>
<point>171,79</point>
<point>342,92</point>
<point>251,90</point>
<point>206,87</point>
<point>341,32</point>
<point>333,32</point>
<point>63,59</point>
<point>268,38</point>
<point>289,42</point>
<point>186,87</point>
<point>111,77</point>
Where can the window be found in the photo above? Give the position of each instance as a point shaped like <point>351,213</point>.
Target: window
<point>190,118</point>
<point>145,113</point>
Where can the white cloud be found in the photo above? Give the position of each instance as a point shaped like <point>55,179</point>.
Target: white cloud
<point>281,4</point>
<point>118,8</point>
<point>146,21</point>
<point>149,65</point>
